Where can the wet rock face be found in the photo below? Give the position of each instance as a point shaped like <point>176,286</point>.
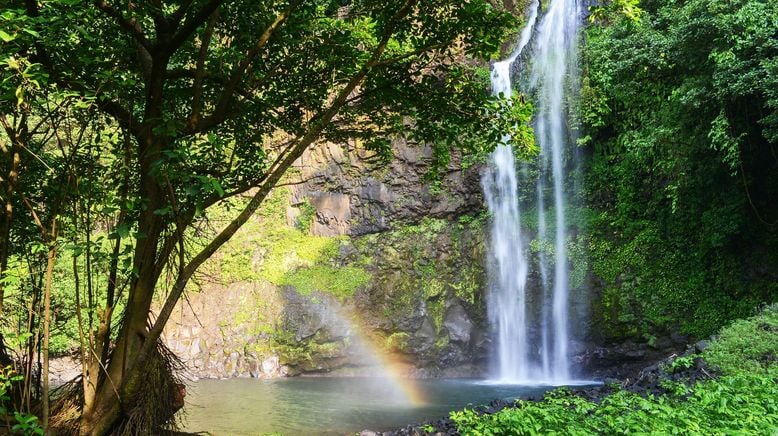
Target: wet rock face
<point>251,330</point>
<point>218,333</point>
<point>623,359</point>
<point>428,284</point>
<point>424,303</point>
<point>424,299</point>
<point>458,324</point>
<point>454,347</point>
<point>353,193</point>
<point>305,317</point>
<point>333,213</point>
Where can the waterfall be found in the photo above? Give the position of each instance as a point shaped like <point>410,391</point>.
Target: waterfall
<point>521,355</point>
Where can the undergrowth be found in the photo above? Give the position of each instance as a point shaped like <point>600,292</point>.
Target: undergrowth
<point>743,400</point>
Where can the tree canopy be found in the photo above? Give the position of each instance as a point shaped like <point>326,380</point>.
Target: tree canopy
<point>133,118</point>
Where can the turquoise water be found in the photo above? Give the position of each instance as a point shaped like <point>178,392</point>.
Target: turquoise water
<point>328,405</point>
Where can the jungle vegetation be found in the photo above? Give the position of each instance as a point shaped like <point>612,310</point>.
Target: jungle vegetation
<point>124,122</point>
<point>679,121</point>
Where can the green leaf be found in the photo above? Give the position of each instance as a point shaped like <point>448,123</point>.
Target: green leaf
<point>19,96</point>
<point>121,231</point>
<point>217,187</point>
<point>6,37</point>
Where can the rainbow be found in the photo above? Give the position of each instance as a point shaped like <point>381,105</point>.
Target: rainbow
<point>392,367</point>
<point>397,371</point>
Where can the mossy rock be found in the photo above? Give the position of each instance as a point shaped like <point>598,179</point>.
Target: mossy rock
<point>397,342</point>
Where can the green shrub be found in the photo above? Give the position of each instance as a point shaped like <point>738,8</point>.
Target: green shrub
<point>744,400</point>
<point>24,423</point>
<point>679,120</point>
<point>740,404</point>
<point>306,217</point>
<point>748,345</point>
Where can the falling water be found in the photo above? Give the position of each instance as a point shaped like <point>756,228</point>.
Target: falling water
<point>521,356</point>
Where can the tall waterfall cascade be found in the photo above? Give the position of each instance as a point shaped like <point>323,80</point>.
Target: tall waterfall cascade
<point>531,340</point>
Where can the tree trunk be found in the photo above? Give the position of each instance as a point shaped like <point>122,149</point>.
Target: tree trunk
<point>132,356</point>
<point>7,215</point>
<point>50,260</point>
<point>112,392</point>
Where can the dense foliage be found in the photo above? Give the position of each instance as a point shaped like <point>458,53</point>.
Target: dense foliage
<point>680,113</point>
<point>743,400</point>
<point>124,122</point>
<point>127,127</point>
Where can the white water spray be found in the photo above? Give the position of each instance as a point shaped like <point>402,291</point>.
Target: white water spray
<point>521,356</point>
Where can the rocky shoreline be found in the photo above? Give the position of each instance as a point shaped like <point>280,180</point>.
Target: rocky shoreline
<point>611,363</point>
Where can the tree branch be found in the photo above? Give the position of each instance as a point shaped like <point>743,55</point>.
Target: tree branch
<point>274,176</point>
<point>123,116</point>
<point>175,17</point>
<point>160,21</point>
<point>220,112</point>
<point>130,26</point>
<point>199,73</point>
<point>191,24</point>
<point>421,50</point>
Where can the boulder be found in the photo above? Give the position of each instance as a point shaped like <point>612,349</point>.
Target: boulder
<point>458,324</point>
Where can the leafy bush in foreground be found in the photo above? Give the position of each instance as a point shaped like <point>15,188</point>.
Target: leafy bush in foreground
<point>744,400</point>
<point>741,404</point>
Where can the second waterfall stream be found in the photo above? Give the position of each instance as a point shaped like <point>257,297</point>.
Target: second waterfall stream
<point>531,340</point>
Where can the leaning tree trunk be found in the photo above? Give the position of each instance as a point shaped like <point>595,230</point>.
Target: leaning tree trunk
<point>117,391</point>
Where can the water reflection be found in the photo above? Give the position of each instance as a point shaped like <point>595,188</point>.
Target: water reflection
<point>328,405</point>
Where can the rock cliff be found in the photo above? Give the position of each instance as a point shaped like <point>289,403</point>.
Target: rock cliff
<point>355,260</point>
